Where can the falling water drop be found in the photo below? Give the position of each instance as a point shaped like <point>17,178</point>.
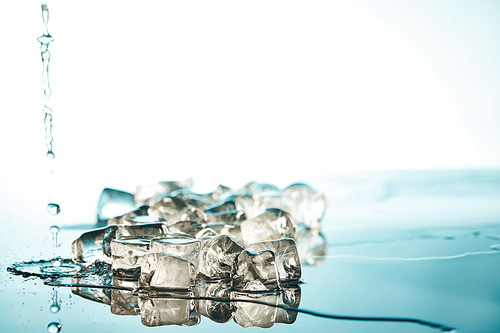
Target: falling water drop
<point>50,154</point>
<point>54,307</point>
<point>54,327</point>
<point>53,209</point>
<point>54,230</point>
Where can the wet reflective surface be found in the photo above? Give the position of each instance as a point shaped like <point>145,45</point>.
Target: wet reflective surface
<point>422,246</point>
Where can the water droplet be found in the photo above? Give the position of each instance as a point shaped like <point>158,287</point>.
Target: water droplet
<point>54,308</point>
<point>56,262</point>
<point>54,229</point>
<point>53,208</point>
<point>54,327</point>
<point>50,154</point>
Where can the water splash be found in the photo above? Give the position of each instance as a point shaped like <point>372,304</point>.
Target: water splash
<point>45,41</point>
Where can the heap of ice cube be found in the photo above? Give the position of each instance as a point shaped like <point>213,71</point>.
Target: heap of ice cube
<point>168,237</point>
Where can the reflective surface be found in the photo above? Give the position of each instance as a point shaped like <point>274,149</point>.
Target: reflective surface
<point>421,245</point>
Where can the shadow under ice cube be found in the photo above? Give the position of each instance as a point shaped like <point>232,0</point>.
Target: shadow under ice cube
<point>255,271</point>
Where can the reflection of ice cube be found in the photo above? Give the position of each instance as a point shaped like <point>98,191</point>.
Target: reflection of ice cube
<point>159,311</point>
<point>124,302</point>
<point>182,247</point>
<point>164,271</point>
<point>248,314</point>
<point>287,258</point>
<point>113,203</point>
<point>217,311</point>
<point>290,297</point>
<point>254,271</point>
<point>312,246</point>
<point>272,224</point>
<point>217,256</point>
<point>127,255</point>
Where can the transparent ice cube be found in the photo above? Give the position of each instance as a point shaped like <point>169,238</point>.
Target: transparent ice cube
<point>174,209</point>
<point>312,246</point>
<point>287,258</point>
<point>176,310</point>
<point>305,204</point>
<point>217,256</point>
<point>183,247</point>
<point>147,194</point>
<point>113,202</point>
<point>127,255</point>
<point>254,272</point>
<point>272,224</point>
<point>163,271</point>
<point>231,216</point>
<point>96,244</point>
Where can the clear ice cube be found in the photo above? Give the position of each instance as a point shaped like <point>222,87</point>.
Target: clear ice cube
<point>305,204</point>
<point>182,247</point>
<point>113,202</point>
<point>272,224</point>
<point>177,310</point>
<point>164,271</point>
<point>254,271</point>
<point>96,244</point>
<point>174,209</point>
<point>217,256</point>
<point>147,194</point>
<point>287,258</point>
<point>127,255</point>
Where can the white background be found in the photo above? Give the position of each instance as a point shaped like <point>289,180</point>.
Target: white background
<point>231,91</point>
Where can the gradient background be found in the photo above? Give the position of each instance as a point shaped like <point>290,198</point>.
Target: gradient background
<point>226,92</point>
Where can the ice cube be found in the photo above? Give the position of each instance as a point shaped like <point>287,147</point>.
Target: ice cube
<point>217,256</point>
<point>201,230</point>
<point>164,271</point>
<point>232,216</point>
<point>127,255</point>
<point>173,209</point>
<point>272,224</point>
<point>124,302</point>
<point>254,271</point>
<point>218,311</point>
<point>147,194</point>
<point>182,247</point>
<point>287,258</point>
<point>96,244</point>
<point>305,204</point>
<point>113,202</point>
<point>136,216</point>
<point>221,206</point>
<point>248,314</point>
<point>179,309</point>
